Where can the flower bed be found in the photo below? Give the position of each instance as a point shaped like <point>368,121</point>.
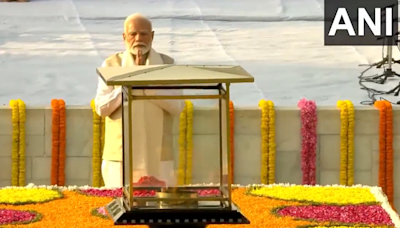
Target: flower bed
<point>269,206</point>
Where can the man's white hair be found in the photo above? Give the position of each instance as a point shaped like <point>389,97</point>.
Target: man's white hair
<point>136,16</point>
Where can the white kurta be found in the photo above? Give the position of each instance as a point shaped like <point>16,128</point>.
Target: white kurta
<point>149,129</point>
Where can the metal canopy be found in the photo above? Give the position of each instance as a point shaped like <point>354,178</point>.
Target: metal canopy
<point>173,75</point>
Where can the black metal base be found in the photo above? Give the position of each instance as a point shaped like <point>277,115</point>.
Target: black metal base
<point>177,226</point>
<point>395,91</point>
<point>177,218</point>
<point>381,63</point>
<point>382,78</point>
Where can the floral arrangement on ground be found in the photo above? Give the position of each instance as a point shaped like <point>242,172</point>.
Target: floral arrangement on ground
<point>275,205</point>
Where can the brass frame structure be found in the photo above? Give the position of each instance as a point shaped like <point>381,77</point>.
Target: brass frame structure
<point>223,95</point>
<point>129,210</point>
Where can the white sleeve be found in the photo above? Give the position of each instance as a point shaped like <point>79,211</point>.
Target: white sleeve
<point>108,99</point>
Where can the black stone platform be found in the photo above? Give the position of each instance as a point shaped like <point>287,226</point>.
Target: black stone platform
<point>176,218</point>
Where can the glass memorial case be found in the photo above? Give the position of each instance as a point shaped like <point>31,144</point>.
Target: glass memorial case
<point>154,193</point>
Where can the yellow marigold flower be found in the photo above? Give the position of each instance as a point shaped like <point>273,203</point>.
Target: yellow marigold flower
<point>331,195</point>
<point>345,226</point>
<point>26,196</point>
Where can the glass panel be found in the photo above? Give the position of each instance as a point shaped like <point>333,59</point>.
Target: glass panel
<point>175,150</point>
<point>203,144</point>
<point>125,124</point>
<point>224,145</point>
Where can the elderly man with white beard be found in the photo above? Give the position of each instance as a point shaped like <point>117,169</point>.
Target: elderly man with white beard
<point>152,133</point>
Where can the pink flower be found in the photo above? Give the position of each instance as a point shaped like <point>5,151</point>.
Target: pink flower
<point>103,192</point>
<point>116,193</point>
<point>353,214</point>
<point>208,192</point>
<point>102,211</point>
<point>15,216</point>
<point>308,115</point>
<point>143,193</point>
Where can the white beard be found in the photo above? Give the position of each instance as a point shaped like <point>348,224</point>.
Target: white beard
<point>135,50</point>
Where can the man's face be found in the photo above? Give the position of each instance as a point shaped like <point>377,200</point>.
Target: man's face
<point>138,36</point>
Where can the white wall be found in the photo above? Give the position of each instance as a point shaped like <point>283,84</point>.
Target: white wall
<point>205,139</point>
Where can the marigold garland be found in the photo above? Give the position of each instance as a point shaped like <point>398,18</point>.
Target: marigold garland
<point>182,146</point>
<point>264,141</point>
<point>102,137</point>
<point>267,142</point>
<point>271,142</point>
<point>18,118</point>
<point>347,119</point>
<point>343,142</point>
<point>21,146</point>
<point>15,143</point>
<point>58,143</point>
<point>382,144</point>
<point>185,165</point>
<point>386,149</point>
<point>232,139</point>
<point>350,143</point>
<point>55,141</point>
<point>97,148</point>
<point>189,142</point>
<point>62,148</point>
<point>389,154</point>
